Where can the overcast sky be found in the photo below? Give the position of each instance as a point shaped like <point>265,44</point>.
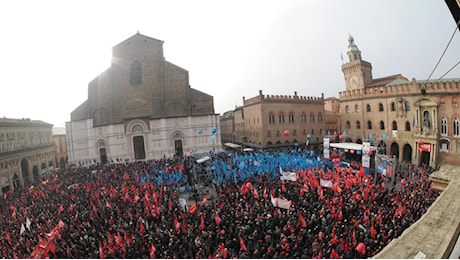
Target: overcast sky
<point>51,50</point>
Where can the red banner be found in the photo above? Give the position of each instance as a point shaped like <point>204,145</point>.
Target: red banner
<point>424,147</point>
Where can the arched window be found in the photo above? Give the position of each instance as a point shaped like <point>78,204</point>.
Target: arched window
<point>395,125</point>
<point>356,108</point>
<point>320,118</point>
<point>271,118</point>
<point>407,106</point>
<point>136,74</point>
<point>312,118</point>
<point>347,109</point>
<point>303,118</point>
<point>443,126</point>
<point>456,127</point>
<point>407,126</point>
<point>380,107</point>
<point>281,117</point>
<point>348,125</point>
<point>393,106</point>
<point>291,117</point>
<point>368,108</point>
<point>369,124</point>
<point>358,125</point>
<point>382,125</point>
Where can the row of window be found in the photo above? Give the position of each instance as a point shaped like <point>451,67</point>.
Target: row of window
<point>294,132</point>
<point>394,126</point>
<point>381,108</point>
<point>381,124</point>
<point>291,118</point>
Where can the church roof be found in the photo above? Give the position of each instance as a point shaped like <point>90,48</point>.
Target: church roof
<point>136,36</point>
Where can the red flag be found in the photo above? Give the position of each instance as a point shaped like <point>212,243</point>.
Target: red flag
<point>265,193</point>
<point>256,195</point>
<point>107,204</point>
<point>170,204</point>
<point>242,245</point>
<point>283,188</point>
<point>176,225</point>
<point>302,221</point>
<point>217,219</point>
<point>7,236</point>
<point>373,231</point>
<point>109,238</point>
<point>303,189</point>
<point>203,226</point>
<point>101,252</point>
<point>152,250</point>
<point>53,248</point>
<point>192,208</point>
<point>15,256</point>
<point>61,208</point>
<point>205,199</point>
<point>141,228</point>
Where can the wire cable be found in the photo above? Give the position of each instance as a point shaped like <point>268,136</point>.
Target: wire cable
<point>442,55</point>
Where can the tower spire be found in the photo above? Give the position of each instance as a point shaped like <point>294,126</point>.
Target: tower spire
<point>353,52</point>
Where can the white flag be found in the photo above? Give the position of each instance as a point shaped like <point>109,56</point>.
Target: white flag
<point>23,229</point>
<point>28,224</point>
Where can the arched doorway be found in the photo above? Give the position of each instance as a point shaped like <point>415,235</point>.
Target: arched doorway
<point>139,148</point>
<point>35,173</point>
<point>178,148</point>
<point>102,156</point>
<point>382,147</point>
<point>394,150</point>
<point>407,153</point>
<point>25,170</point>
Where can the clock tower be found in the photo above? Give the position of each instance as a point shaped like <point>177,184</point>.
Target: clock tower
<point>357,72</point>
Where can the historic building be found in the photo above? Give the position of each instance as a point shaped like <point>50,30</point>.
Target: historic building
<point>416,121</point>
<point>60,147</point>
<point>142,107</point>
<point>274,121</point>
<point>227,127</point>
<point>332,115</point>
<point>26,152</point>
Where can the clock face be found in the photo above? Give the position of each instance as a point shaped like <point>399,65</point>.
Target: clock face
<point>353,82</point>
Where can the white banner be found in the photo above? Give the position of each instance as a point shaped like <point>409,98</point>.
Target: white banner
<point>289,176</point>
<point>326,183</point>
<point>366,157</point>
<point>281,203</point>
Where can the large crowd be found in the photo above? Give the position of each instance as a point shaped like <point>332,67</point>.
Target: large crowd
<point>134,210</point>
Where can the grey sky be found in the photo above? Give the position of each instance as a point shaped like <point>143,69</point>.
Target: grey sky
<point>51,50</point>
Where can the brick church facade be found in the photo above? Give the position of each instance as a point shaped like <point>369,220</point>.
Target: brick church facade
<point>142,107</point>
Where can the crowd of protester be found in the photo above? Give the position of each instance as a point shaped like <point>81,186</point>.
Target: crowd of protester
<point>134,210</point>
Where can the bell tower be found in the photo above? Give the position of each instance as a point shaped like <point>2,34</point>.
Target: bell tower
<point>357,72</point>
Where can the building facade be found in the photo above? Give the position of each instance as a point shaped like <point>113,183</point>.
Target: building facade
<point>142,107</point>
<point>26,152</point>
<point>227,127</point>
<point>60,147</point>
<point>273,121</point>
<point>332,112</point>
<point>417,121</point>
